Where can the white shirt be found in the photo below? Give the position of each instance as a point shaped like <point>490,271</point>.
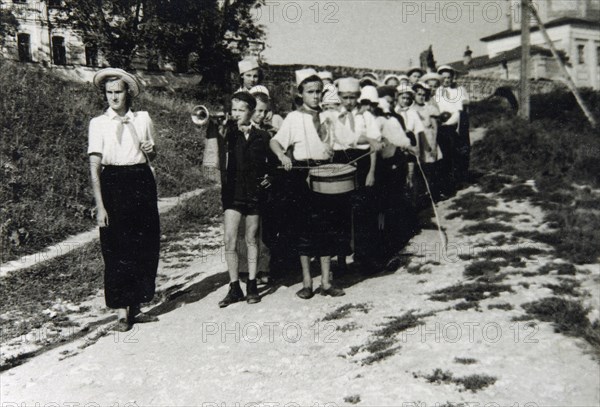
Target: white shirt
<point>431,152</point>
<point>102,137</point>
<point>451,100</point>
<point>298,130</point>
<point>366,125</point>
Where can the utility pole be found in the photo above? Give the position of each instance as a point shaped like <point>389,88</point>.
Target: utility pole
<point>524,91</point>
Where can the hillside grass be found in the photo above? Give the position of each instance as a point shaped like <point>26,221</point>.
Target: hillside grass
<point>560,151</point>
<point>45,192</point>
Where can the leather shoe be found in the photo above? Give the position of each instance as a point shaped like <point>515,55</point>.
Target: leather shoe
<point>234,295</point>
<point>333,291</point>
<point>306,293</point>
<point>122,325</point>
<point>142,318</point>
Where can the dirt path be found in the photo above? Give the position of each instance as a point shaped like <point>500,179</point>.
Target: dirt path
<point>75,241</point>
<point>445,322</point>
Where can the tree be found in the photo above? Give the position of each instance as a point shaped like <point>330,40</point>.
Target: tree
<point>171,29</point>
<point>8,24</point>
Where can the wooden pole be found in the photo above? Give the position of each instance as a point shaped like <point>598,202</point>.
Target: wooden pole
<point>524,90</point>
<point>568,77</point>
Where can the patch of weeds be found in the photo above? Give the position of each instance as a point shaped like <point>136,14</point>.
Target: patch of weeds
<point>465,361</point>
<point>351,326</point>
<point>566,287</point>
<point>465,305</point>
<point>524,284</point>
<point>418,269</point>
<point>522,318</point>
<point>513,258</point>
<point>354,399</point>
<point>501,240</point>
<point>421,281</point>
<point>473,382</point>
<point>475,291</point>
<point>192,276</point>
<point>493,182</point>
<point>529,273</point>
<point>518,192</point>
<point>344,311</point>
<point>486,269</point>
<point>396,325</point>
<point>378,345</point>
<point>379,356</point>
<point>486,227</point>
<point>560,268</point>
<point>504,306</point>
<point>476,382</point>
<point>569,317</point>
<point>472,206</point>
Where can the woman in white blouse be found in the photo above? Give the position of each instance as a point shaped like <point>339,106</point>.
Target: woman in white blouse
<point>121,145</point>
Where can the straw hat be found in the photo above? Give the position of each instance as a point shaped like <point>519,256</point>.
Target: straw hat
<point>431,76</point>
<point>135,86</point>
<point>405,89</point>
<point>421,85</point>
<point>446,68</point>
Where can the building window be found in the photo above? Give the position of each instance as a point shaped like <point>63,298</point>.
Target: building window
<point>54,3</point>
<point>59,52</point>
<point>581,54</point>
<point>24,46</point>
<point>91,55</point>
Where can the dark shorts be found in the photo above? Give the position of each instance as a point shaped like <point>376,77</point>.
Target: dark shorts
<point>245,208</point>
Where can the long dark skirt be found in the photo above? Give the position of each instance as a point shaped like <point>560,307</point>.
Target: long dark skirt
<point>317,220</point>
<point>131,242</point>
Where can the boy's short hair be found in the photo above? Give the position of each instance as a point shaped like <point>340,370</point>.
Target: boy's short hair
<point>310,79</point>
<point>245,97</point>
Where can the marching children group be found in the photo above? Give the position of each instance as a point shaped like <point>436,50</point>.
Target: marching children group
<point>384,130</point>
<point>373,134</point>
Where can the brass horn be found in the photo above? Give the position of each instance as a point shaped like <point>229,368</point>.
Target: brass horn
<point>200,115</point>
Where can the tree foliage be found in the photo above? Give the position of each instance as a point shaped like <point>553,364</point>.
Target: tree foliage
<point>8,24</point>
<point>171,30</point>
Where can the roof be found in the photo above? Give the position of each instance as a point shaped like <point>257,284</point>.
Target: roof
<point>511,55</point>
<point>580,22</point>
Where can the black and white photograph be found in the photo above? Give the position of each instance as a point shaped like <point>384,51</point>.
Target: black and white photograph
<point>299,203</point>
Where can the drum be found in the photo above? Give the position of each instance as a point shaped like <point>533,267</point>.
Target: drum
<point>333,179</point>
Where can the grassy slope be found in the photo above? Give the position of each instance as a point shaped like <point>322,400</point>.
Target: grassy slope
<point>559,150</point>
<point>45,190</point>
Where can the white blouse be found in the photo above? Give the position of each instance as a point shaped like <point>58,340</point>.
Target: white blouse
<point>103,137</point>
<point>298,130</point>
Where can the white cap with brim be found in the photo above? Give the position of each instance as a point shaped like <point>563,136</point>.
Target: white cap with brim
<point>402,78</point>
<point>348,85</point>
<point>429,76</point>
<point>369,93</point>
<point>135,86</point>
<point>421,85</point>
<point>325,75</point>
<point>404,89</point>
<point>391,76</point>
<point>259,89</point>
<point>246,65</point>
<point>445,68</point>
<point>304,74</point>
<point>415,69</point>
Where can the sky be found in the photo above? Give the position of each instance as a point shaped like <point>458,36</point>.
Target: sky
<point>378,34</point>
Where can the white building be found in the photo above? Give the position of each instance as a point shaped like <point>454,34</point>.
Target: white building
<point>574,29</point>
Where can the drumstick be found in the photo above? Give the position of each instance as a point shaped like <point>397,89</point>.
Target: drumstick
<point>298,167</point>
<point>443,238</point>
<point>362,156</point>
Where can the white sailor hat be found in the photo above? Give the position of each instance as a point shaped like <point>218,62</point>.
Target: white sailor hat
<point>348,85</point>
<point>303,74</point>
<point>369,93</point>
<point>330,95</point>
<point>369,78</point>
<point>325,75</point>
<point>246,65</point>
<point>421,85</point>
<point>390,76</point>
<point>403,78</point>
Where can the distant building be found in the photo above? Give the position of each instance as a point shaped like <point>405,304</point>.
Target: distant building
<point>573,27</point>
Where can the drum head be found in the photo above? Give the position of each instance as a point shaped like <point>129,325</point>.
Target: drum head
<point>332,170</point>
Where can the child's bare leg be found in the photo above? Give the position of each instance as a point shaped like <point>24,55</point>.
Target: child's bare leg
<point>232,222</point>
<point>325,271</point>
<point>252,222</point>
<point>306,277</point>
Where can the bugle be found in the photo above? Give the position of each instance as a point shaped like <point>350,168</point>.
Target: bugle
<point>201,115</point>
